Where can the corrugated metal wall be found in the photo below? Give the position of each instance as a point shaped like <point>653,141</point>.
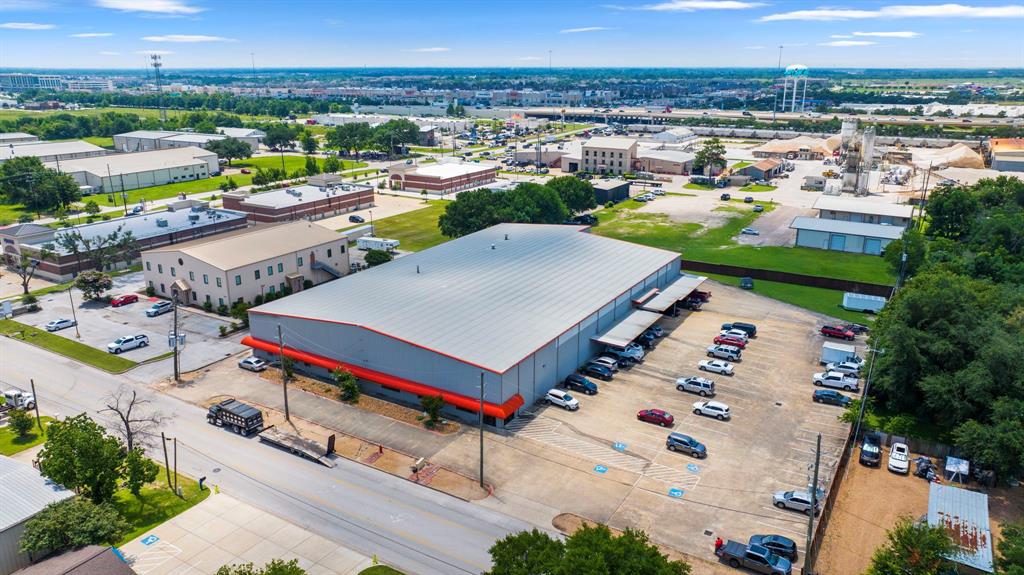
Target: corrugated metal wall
<point>10,558</point>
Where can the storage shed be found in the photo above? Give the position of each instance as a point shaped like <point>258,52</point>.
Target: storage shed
<point>24,492</point>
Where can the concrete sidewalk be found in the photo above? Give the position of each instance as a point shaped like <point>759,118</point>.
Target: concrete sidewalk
<point>224,531</point>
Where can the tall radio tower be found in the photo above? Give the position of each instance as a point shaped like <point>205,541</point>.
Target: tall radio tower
<point>159,88</point>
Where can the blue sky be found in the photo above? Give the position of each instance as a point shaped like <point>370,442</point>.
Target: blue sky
<point>510,33</point>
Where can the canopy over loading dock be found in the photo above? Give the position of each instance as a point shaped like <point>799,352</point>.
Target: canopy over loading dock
<point>672,293</point>
<point>628,329</point>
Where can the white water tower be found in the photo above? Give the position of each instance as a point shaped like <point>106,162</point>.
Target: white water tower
<point>795,72</point>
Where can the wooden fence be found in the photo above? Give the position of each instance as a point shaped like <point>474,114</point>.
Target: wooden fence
<point>789,278</point>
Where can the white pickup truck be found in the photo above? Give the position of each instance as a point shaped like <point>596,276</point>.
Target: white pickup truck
<point>836,380</point>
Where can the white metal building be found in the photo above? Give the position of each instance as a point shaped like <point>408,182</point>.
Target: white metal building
<point>52,151</point>
<point>145,140</point>
<point>843,235</point>
<point>7,138</point>
<point>120,172</point>
<point>862,210</point>
<point>24,492</point>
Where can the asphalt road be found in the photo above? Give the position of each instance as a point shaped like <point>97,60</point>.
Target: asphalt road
<point>413,528</point>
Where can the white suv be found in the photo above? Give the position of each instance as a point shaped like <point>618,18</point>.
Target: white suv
<point>127,342</point>
<point>562,399</point>
<point>716,409</point>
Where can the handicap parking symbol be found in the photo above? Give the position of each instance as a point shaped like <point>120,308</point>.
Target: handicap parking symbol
<point>600,468</point>
<point>675,492</point>
<point>149,539</point>
<point>619,446</point>
<point>692,468</point>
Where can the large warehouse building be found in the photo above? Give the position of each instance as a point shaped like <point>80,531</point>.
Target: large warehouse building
<point>121,172</point>
<point>446,177</point>
<point>51,151</point>
<point>517,305</point>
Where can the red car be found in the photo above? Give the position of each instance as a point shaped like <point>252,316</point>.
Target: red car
<point>246,171</point>
<point>838,332</point>
<point>124,300</point>
<point>658,416</point>
<point>701,296</point>
<point>729,340</point>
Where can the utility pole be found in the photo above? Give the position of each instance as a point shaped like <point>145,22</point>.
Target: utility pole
<point>167,461</point>
<point>482,429</point>
<point>775,93</point>
<point>809,557</point>
<point>284,373</point>
<point>74,316</point>
<point>176,465</point>
<point>864,396</point>
<point>39,422</point>
<point>177,364</point>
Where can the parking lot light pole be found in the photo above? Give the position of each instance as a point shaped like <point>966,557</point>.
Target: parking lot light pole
<point>74,316</point>
<point>482,430</point>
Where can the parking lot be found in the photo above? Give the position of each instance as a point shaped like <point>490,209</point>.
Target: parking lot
<point>99,324</point>
<point>767,446</point>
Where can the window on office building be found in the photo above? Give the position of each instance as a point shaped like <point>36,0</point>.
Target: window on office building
<point>206,279</point>
<point>218,282</point>
<point>148,267</point>
<point>342,248</point>
<point>173,273</point>
<point>191,276</point>
<point>281,286</point>
<point>280,268</point>
<point>300,261</point>
<point>238,280</point>
<point>272,289</point>
<point>270,270</point>
<point>257,274</point>
<point>220,301</point>
<point>159,268</point>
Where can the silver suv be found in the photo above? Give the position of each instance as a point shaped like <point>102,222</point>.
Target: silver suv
<point>702,386</point>
<point>728,352</point>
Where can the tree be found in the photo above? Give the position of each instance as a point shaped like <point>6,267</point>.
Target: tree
<point>279,136</point>
<point>432,405</point>
<point>20,422</point>
<point>912,549</point>
<point>93,283</point>
<point>25,266</point>
<point>1011,550</point>
<point>916,251</point>
<point>73,243</point>
<point>72,523</point>
<point>377,257</point>
<point>308,142</point>
<point>79,455</point>
<point>394,134</point>
<point>331,165</point>
<point>135,422</point>
<point>26,181</point>
<point>348,137</point>
<point>92,208</point>
<point>312,167</point>
<point>240,311</point>
<point>230,149</point>
<point>952,212</point>
<point>576,194</point>
<point>347,383</point>
<point>712,154</point>
<point>591,549</point>
<point>138,470</point>
<point>275,567</point>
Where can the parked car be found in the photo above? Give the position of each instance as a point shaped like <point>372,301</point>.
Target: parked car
<point>899,458</point>
<point>59,324</point>
<point>716,409</point>
<point>758,208</point>
<point>735,333</point>
<point>159,308</point>
<point>777,544</point>
<point>662,418</point>
<point>748,200</point>
<point>871,450</point>
<point>624,359</point>
<point>795,500</point>
<point>725,197</point>
<point>750,232</point>
<point>606,361</point>
<point>830,397</point>
<point>656,330</point>
<point>246,171</point>
<point>837,332</point>
<point>597,370</point>
<point>730,341</point>
<point>704,296</point>
<point>646,340</point>
<point>724,352</point>
<point>715,366</point>
<point>702,386</point>
<point>127,342</point>
<point>562,399</point>
<point>835,380</point>
<point>847,367</point>
<point>118,301</point>
<point>356,219</point>
<point>750,328</point>
<point>756,558</point>
<point>686,444</point>
<point>632,350</point>
<point>857,328</point>
<point>253,363</point>
<point>577,382</point>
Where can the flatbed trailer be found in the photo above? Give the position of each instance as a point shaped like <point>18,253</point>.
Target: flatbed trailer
<point>300,446</point>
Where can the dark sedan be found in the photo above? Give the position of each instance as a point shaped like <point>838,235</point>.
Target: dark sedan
<point>599,371</point>
<point>830,397</point>
<point>777,544</point>
<point>577,382</point>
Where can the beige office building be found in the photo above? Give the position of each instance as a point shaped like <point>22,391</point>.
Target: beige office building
<point>608,155</point>
<point>240,266</point>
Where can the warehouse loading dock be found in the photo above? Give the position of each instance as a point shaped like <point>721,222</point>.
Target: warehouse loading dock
<point>671,294</point>
<point>628,329</point>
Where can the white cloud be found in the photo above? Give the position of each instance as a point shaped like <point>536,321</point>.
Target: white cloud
<point>172,7</point>
<point>23,5</point>
<point>694,5</point>
<point>187,38</point>
<point>840,36</point>
<point>92,35</point>
<point>108,53</point>
<point>845,43</point>
<point>584,29</point>
<point>901,11</point>
<point>26,26</point>
<point>886,34</point>
<point>430,49</point>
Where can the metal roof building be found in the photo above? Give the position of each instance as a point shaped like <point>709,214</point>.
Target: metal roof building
<point>24,493</point>
<point>520,305</point>
<point>51,151</point>
<point>964,515</point>
<point>844,235</point>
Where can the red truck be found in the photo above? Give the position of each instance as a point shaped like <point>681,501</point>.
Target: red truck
<point>837,332</point>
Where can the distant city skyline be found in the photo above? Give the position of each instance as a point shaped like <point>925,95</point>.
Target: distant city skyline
<point>110,34</point>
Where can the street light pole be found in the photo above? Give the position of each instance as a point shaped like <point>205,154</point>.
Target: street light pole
<point>482,430</point>
<point>74,316</point>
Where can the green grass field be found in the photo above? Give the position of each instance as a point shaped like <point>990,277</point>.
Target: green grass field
<point>417,230</point>
<point>380,570</point>
<point>11,444</point>
<point>141,112</point>
<point>69,348</point>
<point>716,245</point>
<point>740,165</point>
<point>824,301</point>
<point>704,187</point>
<point>157,503</point>
<point>757,188</point>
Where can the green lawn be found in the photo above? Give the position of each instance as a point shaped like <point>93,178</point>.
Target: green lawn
<point>716,245</point>
<point>816,299</point>
<point>740,165</point>
<point>698,187</point>
<point>9,213</point>
<point>380,570</point>
<point>70,348</point>
<point>417,230</point>
<point>10,444</point>
<point>157,503</point>
<point>757,188</point>
<point>101,141</point>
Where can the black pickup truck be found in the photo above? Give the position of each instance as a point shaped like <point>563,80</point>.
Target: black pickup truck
<point>239,417</point>
<point>754,557</point>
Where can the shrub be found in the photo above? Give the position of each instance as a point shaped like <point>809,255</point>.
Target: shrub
<point>150,291</point>
<point>609,204</point>
<point>105,217</point>
<point>258,300</point>
<point>29,299</point>
<point>222,309</point>
<point>306,284</point>
<point>20,422</point>
<point>432,404</point>
<point>207,306</point>
<point>349,387</point>
<point>377,257</point>
<point>223,330</point>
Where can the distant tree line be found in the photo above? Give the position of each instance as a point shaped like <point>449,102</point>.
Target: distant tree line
<point>243,105</point>
<point>387,137</point>
<point>63,126</point>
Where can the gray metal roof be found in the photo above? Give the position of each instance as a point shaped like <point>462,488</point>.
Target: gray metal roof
<point>631,326</point>
<point>964,515</point>
<point>674,292</point>
<point>24,492</point>
<point>845,227</point>
<point>487,307</point>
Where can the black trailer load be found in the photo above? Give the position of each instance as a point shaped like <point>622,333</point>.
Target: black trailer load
<point>239,417</point>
